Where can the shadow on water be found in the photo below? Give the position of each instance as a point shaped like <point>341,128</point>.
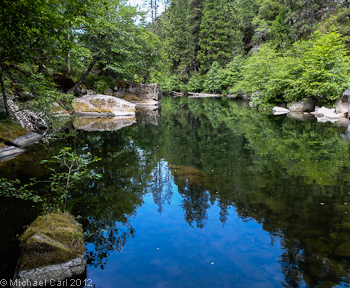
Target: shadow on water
<point>289,177</point>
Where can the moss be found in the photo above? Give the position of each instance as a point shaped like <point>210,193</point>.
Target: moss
<point>78,106</point>
<point>130,97</point>
<point>51,239</point>
<point>100,105</point>
<point>10,130</point>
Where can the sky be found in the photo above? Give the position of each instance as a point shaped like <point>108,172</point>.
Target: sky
<point>142,5</point>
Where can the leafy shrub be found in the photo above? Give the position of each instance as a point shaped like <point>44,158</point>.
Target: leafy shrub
<point>317,68</point>
<point>195,84</point>
<point>68,170</point>
<point>212,83</point>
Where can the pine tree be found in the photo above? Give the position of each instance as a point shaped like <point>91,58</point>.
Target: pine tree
<point>218,40</point>
<point>177,37</point>
<point>194,18</point>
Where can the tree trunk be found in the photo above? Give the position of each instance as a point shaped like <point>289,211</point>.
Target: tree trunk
<point>83,77</point>
<point>312,15</point>
<point>4,96</point>
<point>332,7</point>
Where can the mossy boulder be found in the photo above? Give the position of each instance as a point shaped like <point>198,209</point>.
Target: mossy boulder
<point>52,249</point>
<point>102,106</point>
<point>139,94</point>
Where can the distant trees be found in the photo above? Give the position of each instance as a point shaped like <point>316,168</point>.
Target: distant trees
<point>204,41</point>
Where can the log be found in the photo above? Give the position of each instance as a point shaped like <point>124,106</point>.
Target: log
<point>202,95</point>
<point>177,94</point>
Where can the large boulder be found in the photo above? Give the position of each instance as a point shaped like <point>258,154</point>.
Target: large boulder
<point>302,106</point>
<point>346,93</point>
<point>139,94</point>
<point>53,250</point>
<point>342,105</point>
<point>102,106</point>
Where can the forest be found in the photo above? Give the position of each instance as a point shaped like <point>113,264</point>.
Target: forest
<point>269,51</point>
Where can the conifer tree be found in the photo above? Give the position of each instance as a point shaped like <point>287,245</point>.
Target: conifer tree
<point>218,40</point>
<point>177,37</point>
<point>194,18</point>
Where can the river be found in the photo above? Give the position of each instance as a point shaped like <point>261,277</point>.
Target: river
<point>206,193</point>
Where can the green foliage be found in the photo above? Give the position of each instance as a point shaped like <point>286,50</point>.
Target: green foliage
<point>317,68</point>
<point>13,188</point>
<point>173,83</point>
<point>218,40</point>
<point>195,84</point>
<point>177,37</point>
<point>323,69</point>
<point>339,22</point>
<point>68,170</point>
<point>101,84</point>
<point>75,170</point>
<point>212,81</point>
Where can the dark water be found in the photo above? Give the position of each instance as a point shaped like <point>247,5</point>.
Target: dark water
<point>206,194</point>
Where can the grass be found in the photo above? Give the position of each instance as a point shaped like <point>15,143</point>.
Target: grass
<point>10,130</point>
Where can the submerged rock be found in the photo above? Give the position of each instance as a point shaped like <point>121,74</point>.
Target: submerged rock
<point>103,106</point>
<point>53,250</point>
<point>343,249</point>
<point>188,175</point>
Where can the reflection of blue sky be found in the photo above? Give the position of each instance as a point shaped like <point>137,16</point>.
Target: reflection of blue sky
<point>167,252</point>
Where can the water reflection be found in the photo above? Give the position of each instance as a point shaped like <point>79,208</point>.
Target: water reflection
<point>263,198</point>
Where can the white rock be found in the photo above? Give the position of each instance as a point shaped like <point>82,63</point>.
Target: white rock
<point>328,113</point>
<point>103,105</point>
<point>279,110</point>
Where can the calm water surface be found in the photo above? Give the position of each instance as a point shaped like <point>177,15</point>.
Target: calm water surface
<point>204,193</point>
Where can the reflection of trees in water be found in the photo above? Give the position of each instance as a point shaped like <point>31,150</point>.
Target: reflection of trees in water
<point>292,177</point>
<point>106,206</point>
<point>105,241</point>
<point>195,204</point>
<point>274,171</point>
<point>192,187</point>
<point>160,186</point>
